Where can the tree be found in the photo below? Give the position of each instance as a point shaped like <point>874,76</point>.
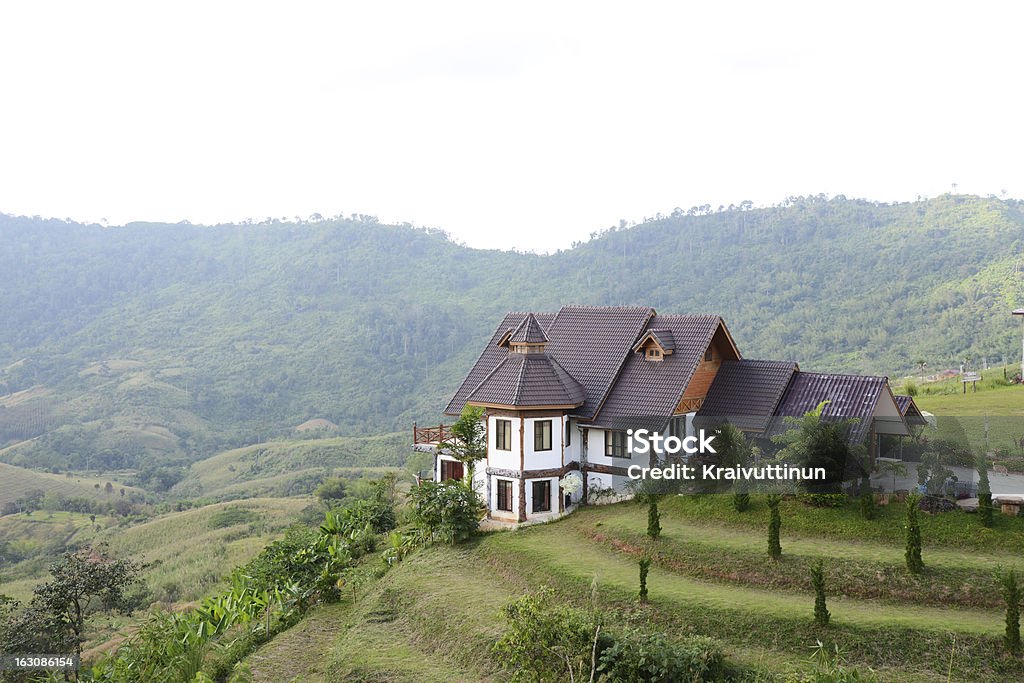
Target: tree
<point>913,551</point>
<point>734,451</point>
<point>814,442</point>
<point>645,566</point>
<point>78,581</point>
<point>984,492</point>
<point>821,613</point>
<point>1011,596</point>
<point>467,440</point>
<point>331,490</point>
<point>774,525</point>
<point>653,520</point>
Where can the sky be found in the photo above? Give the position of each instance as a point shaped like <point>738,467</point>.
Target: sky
<point>523,125</point>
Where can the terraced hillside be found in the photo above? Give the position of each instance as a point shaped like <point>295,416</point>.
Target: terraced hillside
<point>436,615</point>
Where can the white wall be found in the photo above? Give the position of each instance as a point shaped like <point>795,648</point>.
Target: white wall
<point>508,460</point>
<point>541,460</point>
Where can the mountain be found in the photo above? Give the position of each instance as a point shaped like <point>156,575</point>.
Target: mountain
<point>157,343</point>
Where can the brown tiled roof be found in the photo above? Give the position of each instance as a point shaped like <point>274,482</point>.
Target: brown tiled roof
<point>525,380</point>
<point>528,332</point>
<point>591,342</point>
<point>747,392</point>
<point>490,357</point>
<point>646,393</point>
<point>908,409</point>
<point>849,396</point>
<point>662,335</point>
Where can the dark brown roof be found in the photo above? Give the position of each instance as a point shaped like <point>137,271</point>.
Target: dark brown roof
<point>747,392</point>
<point>591,343</point>
<point>490,357</point>
<point>849,396</point>
<point>646,393</point>
<point>908,409</point>
<point>528,332</point>
<point>526,380</point>
<point>662,336</point>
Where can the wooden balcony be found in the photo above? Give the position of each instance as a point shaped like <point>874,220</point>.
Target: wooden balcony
<point>429,436</point>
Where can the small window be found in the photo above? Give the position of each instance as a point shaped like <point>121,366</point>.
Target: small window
<point>503,435</point>
<point>654,353</point>
<point>615,444</point>
<point>709,355</point>
<point>568,433</point>
<point>677,427</point>
<point>505,495</point>
<point>542,496</point>
<point>542,435</point>
<point>451,470</point>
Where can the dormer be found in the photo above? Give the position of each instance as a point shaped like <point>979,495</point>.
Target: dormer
<point>656,344</point>
<point>529,337</point>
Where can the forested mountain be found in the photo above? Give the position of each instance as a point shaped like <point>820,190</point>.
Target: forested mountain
<point>178,340</point>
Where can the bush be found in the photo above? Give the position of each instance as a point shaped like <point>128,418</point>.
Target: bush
<point>741,501</point>
<point>639,656</point>
<point>449,511</point>
<point>1011,596</point>
<point>774,544</point>
<point>821,613</point>
<point>232,516</point>
<point>645,566</point>
<point>823,500</point>
<point>653,520</point>
<point>913,549</point>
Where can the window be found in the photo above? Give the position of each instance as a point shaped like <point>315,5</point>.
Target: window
<point>568,433</point>
<point>505,495</point>
<point>542,435</point>
<point>653,353</point>
<point>503,435</point>
<point>615,444</point>
<point>542,496</point>
<point>677,426</point>
<point>709,355</point>
<point>451,470</point>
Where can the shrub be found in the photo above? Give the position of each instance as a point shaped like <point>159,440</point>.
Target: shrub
<point>867,503</point>
<point>913,528</point>
<point>1011,596</point>
<point>449,511</point>
<point>823,500</point>
<point>774,544</point>
<point>639,656</point>
<point>741,501</point>
<point>645,566</point>
<point>821,613</point>
<point>653,520</point>
<point>232,516</point>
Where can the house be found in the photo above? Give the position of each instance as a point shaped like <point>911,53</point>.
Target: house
<point>560,390</point>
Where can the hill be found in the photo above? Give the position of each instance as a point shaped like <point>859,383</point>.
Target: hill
<point>18,482</point>
<point>163,344</point>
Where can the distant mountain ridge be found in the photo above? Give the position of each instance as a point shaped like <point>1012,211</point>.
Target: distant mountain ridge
<point>178,340</point>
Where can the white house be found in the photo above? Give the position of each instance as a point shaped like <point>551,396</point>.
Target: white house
<point>560,390</point>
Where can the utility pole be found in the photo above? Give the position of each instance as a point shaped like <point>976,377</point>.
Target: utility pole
<point>1020,312</point>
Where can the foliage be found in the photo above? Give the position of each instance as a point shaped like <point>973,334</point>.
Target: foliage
<point>638,655</point>
<point>774,525</point>
<point>1012,597</point>
<point>448,511</point>
<point>821,613</point>
<point>823,500</point>
<point>653,520</point>
<point>645,567</point>
<point>79,583</point>
<point>895,468</point>
<point>868,509</point>
<point>985,507</point>
<point>741,501</point>
<point>814,442</point>
<point>467,440</point>
<point>830,667</point>
<point>913,535</point>
<point>547,642</point>
<point>331,490</point>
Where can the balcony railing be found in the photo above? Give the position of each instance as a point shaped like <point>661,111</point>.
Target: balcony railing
<point>430,435</point>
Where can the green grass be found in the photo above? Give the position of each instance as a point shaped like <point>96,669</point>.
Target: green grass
<point>280,467</point>
<point>15,482</point>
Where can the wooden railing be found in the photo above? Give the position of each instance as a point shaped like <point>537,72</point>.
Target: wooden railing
<point>430,435</point>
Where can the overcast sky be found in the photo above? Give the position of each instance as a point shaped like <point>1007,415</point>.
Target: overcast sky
<point>524,125</point>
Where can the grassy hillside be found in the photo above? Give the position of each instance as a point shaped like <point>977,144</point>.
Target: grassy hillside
<point>710,576</point>
<point>17,482</point>
<point>168,343</point>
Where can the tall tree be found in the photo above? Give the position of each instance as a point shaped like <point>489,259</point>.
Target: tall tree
<point>913,546</point>
<point>984,492</point>
<point>774,526</point>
